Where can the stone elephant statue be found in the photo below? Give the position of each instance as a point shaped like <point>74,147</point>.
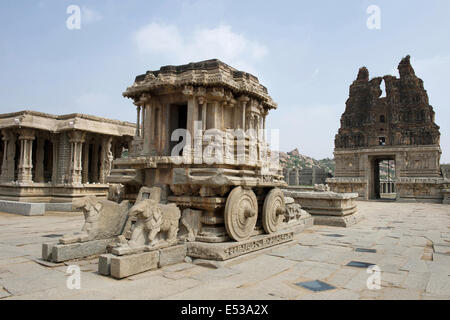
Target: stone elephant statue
<point>102,219</point>
<point>155,222</point>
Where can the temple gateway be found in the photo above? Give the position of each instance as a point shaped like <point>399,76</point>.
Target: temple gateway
<point>397,132</point>
<point>48,158</point>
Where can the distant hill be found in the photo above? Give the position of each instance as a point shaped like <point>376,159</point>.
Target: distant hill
<point>294,159</point>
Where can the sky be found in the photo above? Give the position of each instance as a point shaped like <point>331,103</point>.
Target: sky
<point>306,53</point>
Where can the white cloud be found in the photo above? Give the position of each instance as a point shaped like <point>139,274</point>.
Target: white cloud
<point>89,15</point>
<point>183,47</point>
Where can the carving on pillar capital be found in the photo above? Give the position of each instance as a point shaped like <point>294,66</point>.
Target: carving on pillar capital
<point>26,134</point>
<point>77,136</point>
<point>188,91</point>
<point>244,99</point>
<point>8,135</point>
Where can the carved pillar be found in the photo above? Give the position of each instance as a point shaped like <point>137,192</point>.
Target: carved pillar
<point>138,120</point>
<point>39,172</point>
<point>106,159</point>
<point>297,176</point>
<point>244,102</point>
<point>26,154</point>
<point>150,125</point>
<point>204,106</point>
<point>9,154</point>
<point>76,139</point>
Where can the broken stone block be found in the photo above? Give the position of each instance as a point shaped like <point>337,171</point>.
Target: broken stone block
<point>64,252</point>
<point>47,251</point>
<point>124,266</point>
<point>104,264</point>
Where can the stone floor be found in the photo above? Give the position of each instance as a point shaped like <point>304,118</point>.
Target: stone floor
<point>410,244</point>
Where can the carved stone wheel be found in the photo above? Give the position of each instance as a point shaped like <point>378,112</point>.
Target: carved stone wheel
<point>241,212</point>
<point>273,210</point>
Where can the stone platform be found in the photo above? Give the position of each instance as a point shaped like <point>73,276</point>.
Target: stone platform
<point>328,208</point>
<point>23,208</point>
<point>231,249</point>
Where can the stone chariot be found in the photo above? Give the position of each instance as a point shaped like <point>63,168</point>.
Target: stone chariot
<point>222,115</point>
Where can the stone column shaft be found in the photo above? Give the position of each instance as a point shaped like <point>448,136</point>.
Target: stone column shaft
<point>55,162</point>
<point>76,144</point>
<point>138,120</point>
<point>39,172</point>
<point>95,167</point>
<point>26,156</point>
<point>85,166</point>
<point>8,165</point>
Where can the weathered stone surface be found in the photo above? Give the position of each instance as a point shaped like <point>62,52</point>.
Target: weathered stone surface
<point>172,255</point>
<point>47,251</point>
<point>228,250</point>
<point>344,221</point>
<point>124,266</point>
<point>190,224</point>
<point>64,252</point>
<point>104,264</point>
<point>23,208</point>
<point>67,207</point>
<point>328,208</point>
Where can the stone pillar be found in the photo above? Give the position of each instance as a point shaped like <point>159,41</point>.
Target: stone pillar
<point>143,122</point>
<point>264,126</point>
<point>106,159</point>
<point>149,124</point>
<point>138,120</point>
<point>95,167</point>
<point>76,139</point>
<point>39,172</point>
<point>203,103</point>
<point>55,162</point>
<point>26,155</point>
<point>9,154</point>
<point>296,181</point>
<point>217,115</point>
<point>85,166</point>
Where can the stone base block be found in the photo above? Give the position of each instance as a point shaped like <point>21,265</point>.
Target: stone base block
<point>23,208</point>
<point>227,250</point>
<point>125,266</point>
<point>299,225</point>
<point>47,251</point>
<point>65,207</point>
<point>338,221</point>
<point>172,255</point>
<point>64,252</point>
<point>104,264</point>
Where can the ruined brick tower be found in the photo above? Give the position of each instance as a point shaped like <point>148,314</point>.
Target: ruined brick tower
<point>399,127</point>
